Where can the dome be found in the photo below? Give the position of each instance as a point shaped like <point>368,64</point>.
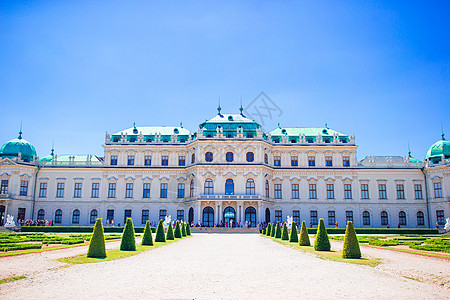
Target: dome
<point>12,148</point>
<point>439,149</point>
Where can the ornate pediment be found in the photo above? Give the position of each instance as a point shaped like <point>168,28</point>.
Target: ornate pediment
<point>7,162</point>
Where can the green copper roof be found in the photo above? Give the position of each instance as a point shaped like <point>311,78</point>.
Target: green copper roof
<point>310,133</point>
<point>77,157</point>
<point>438,149</point>
<point>14,147</point>
<point>228,124</point>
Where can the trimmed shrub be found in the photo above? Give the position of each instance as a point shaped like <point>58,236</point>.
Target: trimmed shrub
<point>169,233</point>
<point>183,230</point>
<point>188,229</point>
<point>351,245</point>
<point>322,243</point>
<point>178,231</point>
<point>160,236</point>
<point>269,229</point>
<point>147,239</point>
<point>263,232</point>
<point>278,231</point>
<point>304,237</point>
<point>272,232</point>
<point>97,243</point>
<point>285,234</point>
<point>128,242</point>
<point>293,237</point>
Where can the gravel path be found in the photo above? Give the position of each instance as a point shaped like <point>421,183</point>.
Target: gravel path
<point>225,266</point>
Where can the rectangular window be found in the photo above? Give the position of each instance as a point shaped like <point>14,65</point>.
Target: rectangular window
<point>145,216</point>
<point>295,191</point>
<point>126,215</point>
<point>400,191</point>
<point>147,160</point>
<point>313,218</point>
<point>95,190</point>
<point>349,215</point>
<point>294,161</point>
<point>418,191</point>
<point>330,191</point>
<point>112,190</point>
<point>110,215</point>
<point>331,217</point>
<point>278,216</point>
<point>113,160</point>
<point>163,193</point>
<point>311,161</point>
<point>164,160</point>
<point>43,189</point>
<point>23,188</point>
<point>346,161</point>
<point>21,213</point>
<point>296,217</point>
<point>129,190</point>
<point>77,190</point>
<point>131,160</point>
<point>277,161</point>
<point>277,191</point>
<point>440,217</point>
<point>60,190</point>
<point>347,191</point>
<point>382,191</point>
<point>181,160</point>
<point>437,190</point>
<point>181,190</point>
<point>180,215</point>
<point>328,161</point>
<point>364,191</point>
<point>312,191</point>
<point>146,193</point>
<point>162,214</point>
<point>4,187</point>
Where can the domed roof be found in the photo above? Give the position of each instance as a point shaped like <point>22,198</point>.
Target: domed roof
<point>12,148</point>
<point>439,148</point>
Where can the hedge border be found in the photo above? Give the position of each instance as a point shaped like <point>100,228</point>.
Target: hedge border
<point>78,229</point>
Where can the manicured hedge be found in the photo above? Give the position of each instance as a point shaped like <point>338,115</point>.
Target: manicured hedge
<point>13,247</point>
<point>97,243</point>
<point>378,231</point>
<point>78,229</point>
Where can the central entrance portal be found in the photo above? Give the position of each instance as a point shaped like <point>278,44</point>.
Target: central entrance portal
<point>229,214</point>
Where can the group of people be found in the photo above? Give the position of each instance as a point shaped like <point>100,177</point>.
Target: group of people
<point>34,222</point>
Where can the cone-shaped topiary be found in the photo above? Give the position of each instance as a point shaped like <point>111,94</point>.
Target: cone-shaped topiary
<point>268,230</point>
<point>285,234</point>
<point>304,237</point>
<point>97,242</point>
<point>322,243</point>
<point>272,232</point>
<point>278,231</point>
<point>351,244</point>
<point>178,231</point>
<point>169,233</point>
<point>147,239</point>
<point>128,242</point>
<point>293,236</point>
<point>188,229</point>
<point>160,236</point>
<point>183,230</point>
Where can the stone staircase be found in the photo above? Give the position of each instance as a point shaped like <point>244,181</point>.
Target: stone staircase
<point>223,230</point>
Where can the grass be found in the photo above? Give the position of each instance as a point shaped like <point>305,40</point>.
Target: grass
<point>11,279</point>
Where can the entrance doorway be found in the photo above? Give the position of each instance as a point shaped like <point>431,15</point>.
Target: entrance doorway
<point>229,214</point>
<point>267,215</point>
<point>250,216</point>
<point>191,215</point>
<point>208,217</point>
<point>2,215</point>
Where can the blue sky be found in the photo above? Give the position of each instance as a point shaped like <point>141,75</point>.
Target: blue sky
<point>72,70</point>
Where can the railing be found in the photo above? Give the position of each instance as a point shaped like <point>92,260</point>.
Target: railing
<point>230,197</point>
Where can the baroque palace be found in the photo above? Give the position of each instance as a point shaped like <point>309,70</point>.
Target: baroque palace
<point>229,169</point>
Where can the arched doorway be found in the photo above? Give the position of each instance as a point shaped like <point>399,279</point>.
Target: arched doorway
<point>2,215</point>
<point>229,214</point>
<point>267,215</point>
<point>208,217</point>
<point>191,215</point>
<point>250,216</point>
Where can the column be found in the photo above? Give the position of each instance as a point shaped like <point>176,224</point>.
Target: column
<point>199,206</point>
<point>216,213</point>
<point>220,211</point>
<point>259,217</point>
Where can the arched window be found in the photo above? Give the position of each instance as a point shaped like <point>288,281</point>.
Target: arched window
<point>267,188</point>
<point>191,215</point>
<point>209,187</point>
<point>76,217</point>
<point>384,218</point>
<point>229,214</point>
<point>250,216</point>
<point>229,156</point>
<point>191,190</point>
<point>366,218</point>
<point>93,216</point>
<point>420,219</point>
<point>250,156</point>
<point>266,159</point>
<point>209,156</point>
<point>58,216</point>
<point>402,218</point>
<point>193,158</point>
<point>208,217</point>
<point>267,215</point>
<point>229,187</point>
<point>41,215</point>
<point>250,187</point>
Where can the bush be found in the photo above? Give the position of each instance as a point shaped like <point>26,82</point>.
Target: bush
<point>13,247</point>
<point>351,246</point>
<point>278,231</point>
<point>178,230</point>
<point>147,239</point>
<point>304,237</point>
<point>160,237</point>
<point>322,243</point>
<point>128,242</point>
<point>188,229</point>
<point>97,243</point>
<point>293,237</point>
<point>269,229</point>
<point>263,232</point>
<point>285,234</point>
<point>272,232</point>
<point>183,230</point>
<point>169,233</point>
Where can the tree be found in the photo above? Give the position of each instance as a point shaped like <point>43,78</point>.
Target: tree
<point>97,247</point>
<point>169,233</point>
<point>188,229</point>
<point>293,237</point>
<point>128,242</point>
<point>160,237</point>
<point>351,244</point>
<point>304,237</point>
<point>322,243</point>
<point>272,233</point>
<point>268,229</point>
<point>285,234</point>
<point>183,230</point>
<point>178,231</point>
<point>147,239</point>
<point>278,231</point>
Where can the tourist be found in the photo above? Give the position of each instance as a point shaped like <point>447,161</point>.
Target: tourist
<point>336,225</point>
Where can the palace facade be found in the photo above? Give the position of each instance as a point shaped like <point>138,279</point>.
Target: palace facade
<point>229,169</point>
